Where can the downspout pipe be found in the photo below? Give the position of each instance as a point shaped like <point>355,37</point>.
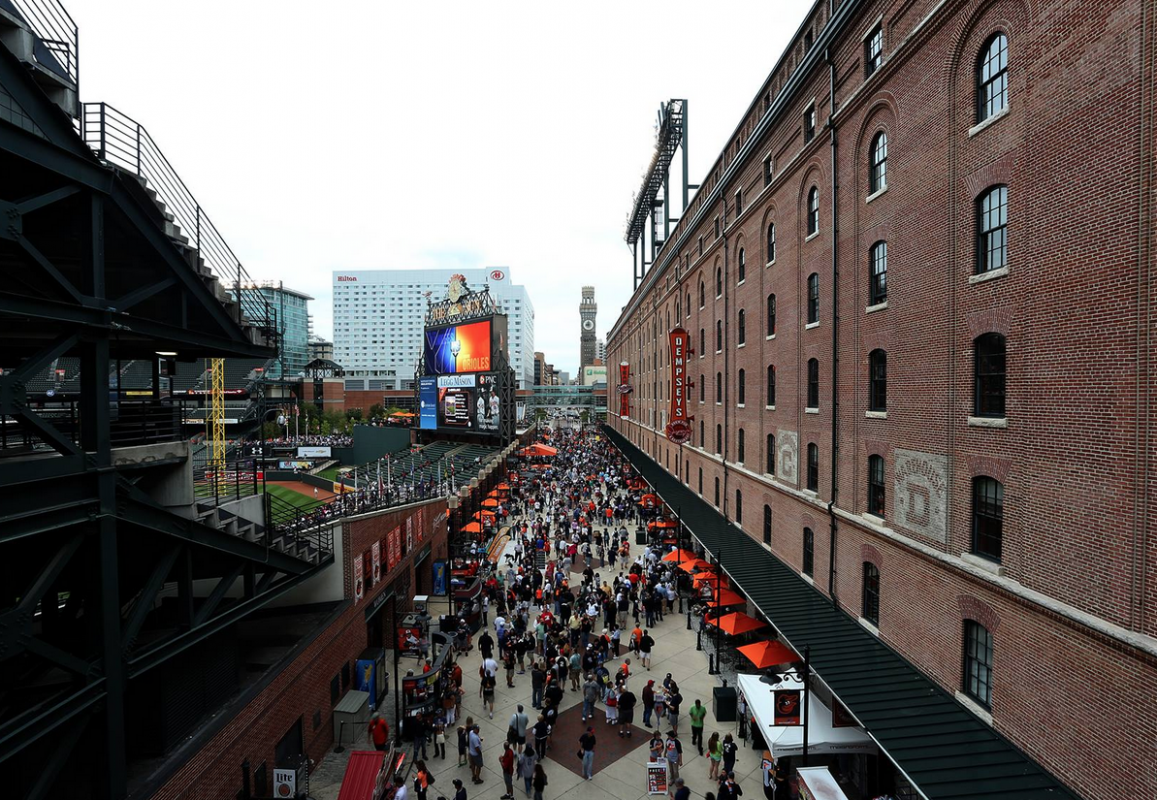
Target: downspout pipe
<point>726,354</point>
<point>835,449</point>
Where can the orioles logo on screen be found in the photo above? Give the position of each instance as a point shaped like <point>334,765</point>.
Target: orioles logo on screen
<point>679,428</point>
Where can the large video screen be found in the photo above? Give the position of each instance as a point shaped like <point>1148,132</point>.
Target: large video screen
<point>469,403</point>
<point>458,349</point>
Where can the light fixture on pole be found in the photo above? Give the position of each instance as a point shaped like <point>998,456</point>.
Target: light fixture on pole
<point>802,671</point>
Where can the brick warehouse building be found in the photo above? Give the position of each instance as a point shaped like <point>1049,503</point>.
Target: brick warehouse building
<point>902,386</point>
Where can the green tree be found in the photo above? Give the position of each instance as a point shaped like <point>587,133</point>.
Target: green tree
<point>377,411</point>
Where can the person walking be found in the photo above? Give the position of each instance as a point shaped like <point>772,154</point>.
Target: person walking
<point>645,645</point>
<point>541,731</point>
<point>715,755</point>
<point>674,700</point>
<point>506,760</point>
<point>488,682</point>
<point>419,729</point>
<point>519,722</point>
<point>697,713</point>
<point>730,751</point>
<point>379,732</point>
<point>674,751</point>
<point>400,791</point>
<point>422,779</point>
<point>526,765</point>
<point>474,753</point>
<point>539,781</point>
<point>679,790</point>
<point>587,753</point>
<point>459,790</point>
<point>627,702</point>
<point>729,789</point>
<point>590,696</point>
<point>648,703</point>
<point>537,683</point>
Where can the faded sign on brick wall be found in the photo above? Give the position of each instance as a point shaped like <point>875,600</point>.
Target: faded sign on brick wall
<point>921,491</point>
<point>787,458</point>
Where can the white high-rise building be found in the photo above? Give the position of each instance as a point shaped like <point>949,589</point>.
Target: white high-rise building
<point>378,317</point>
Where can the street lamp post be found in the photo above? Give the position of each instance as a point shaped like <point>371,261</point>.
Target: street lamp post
<point>718,611</point>
<point>806,698</point>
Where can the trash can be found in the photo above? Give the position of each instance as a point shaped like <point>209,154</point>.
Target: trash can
<point>724,700</point>
<point>642,538</point>
<point>448,623</point>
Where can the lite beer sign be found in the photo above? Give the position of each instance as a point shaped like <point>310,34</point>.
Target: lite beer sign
<point>679,428</point>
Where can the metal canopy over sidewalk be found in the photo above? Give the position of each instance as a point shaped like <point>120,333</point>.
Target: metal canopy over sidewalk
<point>943,748</point>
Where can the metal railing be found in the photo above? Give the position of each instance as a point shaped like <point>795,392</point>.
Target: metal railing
<point>58,34</point>
<point>302,524</point>
<point>119,140</point>
<point>131,423</point>
<point>238,479</point>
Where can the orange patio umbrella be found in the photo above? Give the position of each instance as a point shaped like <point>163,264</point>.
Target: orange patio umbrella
<point>663,523</point>
<point>650,501</point>
<point>472,527</point>
<point>704,576</point>
<point>485,514</point>
<point>681,555</point>
<point>726,597</point>
<point>694,565</point>
<point>490,502</point>
<point>767,654</point>
<point>737,623</point>
<point>504,487</point>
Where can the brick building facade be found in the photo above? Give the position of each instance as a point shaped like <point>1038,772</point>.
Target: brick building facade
<point>302,690</point>
<point>944,365</point>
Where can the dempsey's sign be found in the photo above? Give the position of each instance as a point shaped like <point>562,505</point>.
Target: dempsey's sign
<point>679,427</point>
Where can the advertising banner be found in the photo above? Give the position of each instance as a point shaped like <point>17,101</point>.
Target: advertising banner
<point>625,389</point>
<point>441,575</point>
<point>427,404</point>
<point>393,549</point>
<point>456,381</point>
<point>469,402</point>
<point>679,426</point>
<point>315,452</point>
<point>359,581</point>
<point>294,464</point>
<point>420,525</point>
<point>787,706</point>
<point>366,680</point>
<point>377,557</point>
<point>657,776</point>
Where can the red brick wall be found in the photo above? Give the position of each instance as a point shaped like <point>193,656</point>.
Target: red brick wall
<point>1076,459</point>
<point>302,688</point>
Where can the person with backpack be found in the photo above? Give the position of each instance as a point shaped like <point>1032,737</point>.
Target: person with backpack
<point>516,734</point>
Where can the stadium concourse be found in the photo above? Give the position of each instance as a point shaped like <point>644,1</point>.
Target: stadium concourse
<point>555,506</point>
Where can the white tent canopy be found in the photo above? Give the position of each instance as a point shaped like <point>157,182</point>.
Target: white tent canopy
<point>823,739</point>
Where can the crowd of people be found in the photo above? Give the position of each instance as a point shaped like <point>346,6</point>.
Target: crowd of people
<point>586,631</point>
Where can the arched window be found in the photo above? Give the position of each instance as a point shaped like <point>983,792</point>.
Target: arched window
<point>992,230</point>
<point>678,308</point>
<point>702,294</point>
<point>813,383</point>
<point>702,388</point>
<point>688,303</point>
<point>878,163</point>
<point>742,267</point>
<point>740,447</point>
<point>813,211</point>
<point>718,336</point>
<point>719,281</point>
<point>701,468</point>
<point>992,77</point>
<point>770,456</point>
<point>771,315</point>
<point>741,333</point>
<point>741,387</point>
<point>876,494</point>
<point>717,491</point>
<point>978,662</point>
<point>813,467</point>
<point>767,525</point>
<point>987,517</point>
<point>878,381</point>
<point>878,273</point>
<point>770,242</point>
<point>738,507</point>
<point>813,298</point>
<point>870,599</point>
<point>718,387</point>
<point>989,375</point>
<point>702,342</point>
<point>718,439</point>
<point>703,444</point>
<point>809,552</point>
<point>770,386</point>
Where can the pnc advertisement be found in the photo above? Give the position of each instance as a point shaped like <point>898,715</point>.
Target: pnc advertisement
<point>458,348</point>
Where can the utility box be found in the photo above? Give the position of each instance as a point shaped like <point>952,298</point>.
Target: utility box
<point>354,711</point>
<point>724,702</point>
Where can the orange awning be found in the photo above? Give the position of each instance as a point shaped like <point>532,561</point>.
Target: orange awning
<point>504,487</point>
<point>726,597</point>
<point>767,654</point>
<point>490,502</point>
<point>737,623</point>
<point>663,524</point>
<point>681,556</point>
<point>650,501</point>
<point>538,449</point>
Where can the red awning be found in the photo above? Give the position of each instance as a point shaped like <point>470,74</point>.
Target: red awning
<point>538,449</point>
<point>361,774</point>
<point>768,654</point>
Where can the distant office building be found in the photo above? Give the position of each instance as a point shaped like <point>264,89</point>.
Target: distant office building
<point>588,310</point>
<point>594,374</point>
<point>320,349</point>
<point>601,350</point>
<point>378,316</point>
<point>539,368</point>
<point>293,324</point>
<point>564,379</point>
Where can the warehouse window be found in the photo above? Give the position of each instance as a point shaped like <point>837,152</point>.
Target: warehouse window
<point>876,495</point>
<point>770,454</point>
<point>809,123</point>
<point>770,385</point>
<point>978,663</point>
<point>718,282</point>
<point>740,447</point>
<point>809,552</point>
<point>873,51</point>
<point>702,388</point>
<point>718,441</point>
<point>992,230</point>
<point>767,525</point>
<point>702,294</point>
<point>878,172</point>
<point>771,315</point>
<point>878,380</point>
<point>741,388</point>
<point>813,383</point>
<point>992,78</point>
<point>738,202</point>
<point>718,336</point>
<point>813,467</point>
<point>989,370</point>
<point>738,507</point>
<point>718,387</point>
<point>717,491</point>
<point>771,243</point>
<point>702,342</point>
<point>741,333</point>
<point>742,266</point>
<point>878,273</point>
<point>813,211</point>
<point>870,594</point>
<point>987,517</point>
<point>813,298</point>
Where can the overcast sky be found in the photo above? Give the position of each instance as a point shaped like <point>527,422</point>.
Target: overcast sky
<point>387,135</point>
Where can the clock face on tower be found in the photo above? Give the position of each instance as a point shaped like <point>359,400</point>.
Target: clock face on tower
<point>588,324</point>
